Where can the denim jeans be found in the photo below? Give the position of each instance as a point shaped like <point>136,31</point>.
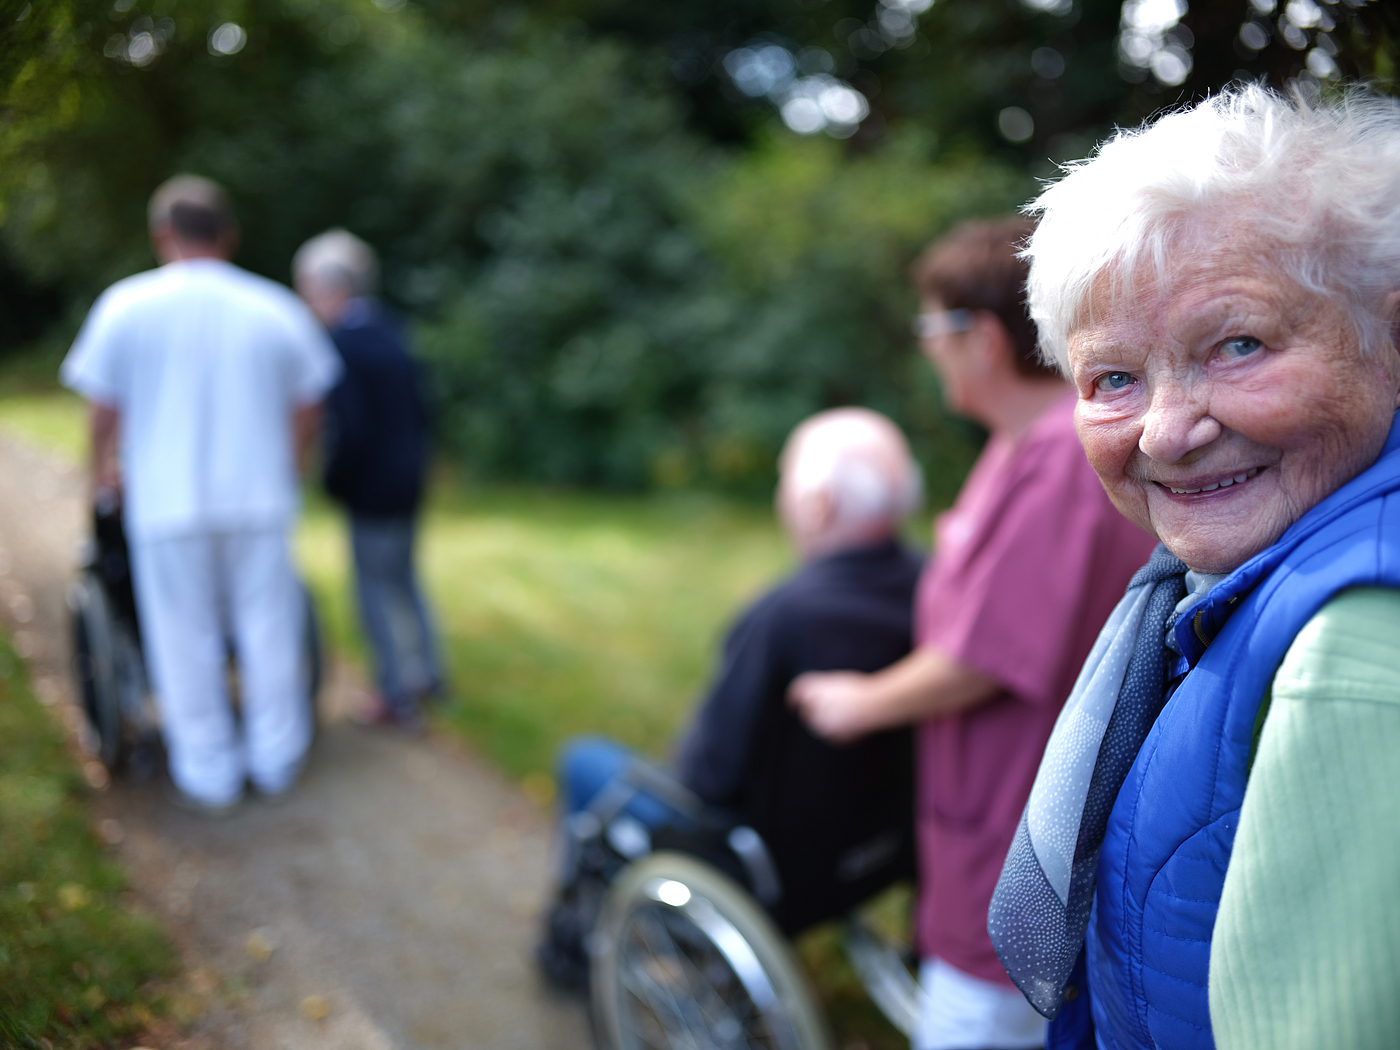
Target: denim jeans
<point>393,612</point>
<point>589,764</point>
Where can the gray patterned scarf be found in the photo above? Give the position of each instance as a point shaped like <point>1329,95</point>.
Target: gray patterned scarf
<point>1040,910</point>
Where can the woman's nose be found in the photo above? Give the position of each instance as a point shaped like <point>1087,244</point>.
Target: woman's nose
<point>1178,421</point>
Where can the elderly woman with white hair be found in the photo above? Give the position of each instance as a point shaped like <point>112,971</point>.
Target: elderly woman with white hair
<point>1212,845</point>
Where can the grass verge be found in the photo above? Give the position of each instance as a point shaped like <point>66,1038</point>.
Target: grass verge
<point>76,966</point>
<point>564,613</point>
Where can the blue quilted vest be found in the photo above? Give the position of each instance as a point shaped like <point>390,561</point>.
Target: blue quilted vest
<point>1172,827</point>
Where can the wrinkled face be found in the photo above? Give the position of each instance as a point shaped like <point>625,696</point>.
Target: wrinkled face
<point>1220,405</point>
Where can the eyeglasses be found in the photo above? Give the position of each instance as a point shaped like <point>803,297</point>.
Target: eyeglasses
<point>943,322</point>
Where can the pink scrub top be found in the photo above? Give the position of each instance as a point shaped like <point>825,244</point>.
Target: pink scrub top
<point>1028,564</point>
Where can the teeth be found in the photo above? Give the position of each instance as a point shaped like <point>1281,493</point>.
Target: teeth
<point>1238,479</point>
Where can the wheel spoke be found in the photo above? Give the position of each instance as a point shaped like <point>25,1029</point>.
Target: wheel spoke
<point>688,988</point>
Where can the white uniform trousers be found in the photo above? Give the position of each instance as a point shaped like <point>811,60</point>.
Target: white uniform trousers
<point>195,593</point>
<point>963,1012</point>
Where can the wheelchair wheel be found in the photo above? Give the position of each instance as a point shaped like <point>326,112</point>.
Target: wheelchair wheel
<point>682,957</point>
<point>94,666</point>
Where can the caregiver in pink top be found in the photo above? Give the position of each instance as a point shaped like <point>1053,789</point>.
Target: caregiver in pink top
<point>1027,566</point>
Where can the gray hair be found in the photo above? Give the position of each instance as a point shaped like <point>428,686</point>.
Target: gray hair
<point>861,459</point>
<point>1318,181</point>
<point>340,259</point>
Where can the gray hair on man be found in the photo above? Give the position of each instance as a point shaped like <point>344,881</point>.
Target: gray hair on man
<point>1315,184</point>
<point>857,462</point>
<point>337,259</point>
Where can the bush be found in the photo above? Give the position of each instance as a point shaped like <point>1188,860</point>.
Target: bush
<point>601,297</point>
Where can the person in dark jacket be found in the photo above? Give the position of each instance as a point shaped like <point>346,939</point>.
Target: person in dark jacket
<point>376,456</point>
<point>837,822</point>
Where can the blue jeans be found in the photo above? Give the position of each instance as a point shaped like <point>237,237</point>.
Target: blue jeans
<point>589,764</point>
<point>393,612</point>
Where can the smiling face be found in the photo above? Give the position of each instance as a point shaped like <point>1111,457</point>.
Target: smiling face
<point>1221,404</point>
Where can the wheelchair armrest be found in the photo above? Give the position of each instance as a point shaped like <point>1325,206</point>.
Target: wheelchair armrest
<point>752,851</point>
<point>645,777</point>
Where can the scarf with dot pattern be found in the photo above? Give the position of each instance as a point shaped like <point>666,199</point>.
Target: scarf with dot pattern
<point>1040,910</point>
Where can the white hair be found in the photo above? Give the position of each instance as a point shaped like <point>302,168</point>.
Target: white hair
<point>1318,182</point>
<point>338,258</point>
<point>846,453</point>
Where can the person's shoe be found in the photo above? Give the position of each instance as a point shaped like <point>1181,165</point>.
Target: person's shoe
<point>378,712</point>
<point>214,811</point>
<point>432,695</point>
<point>560,954</point>
<point>277,797</point>
<point>373,712</point>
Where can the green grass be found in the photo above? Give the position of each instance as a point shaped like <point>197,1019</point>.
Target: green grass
<point>34,407</point>
<point>565,613</point>
<point>56,421</point>
<point>76,968</point>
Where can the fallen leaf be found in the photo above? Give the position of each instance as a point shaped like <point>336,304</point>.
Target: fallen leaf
<point>315,1008</point>
<point>261,944</point>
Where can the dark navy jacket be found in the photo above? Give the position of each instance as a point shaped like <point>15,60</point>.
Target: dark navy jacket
<point>376,418</point>
<point>838,820</point>
<point>1172,829</point>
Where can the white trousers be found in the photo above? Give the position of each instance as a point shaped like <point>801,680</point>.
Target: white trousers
<point>194,594</point>
<point>963,1012</point>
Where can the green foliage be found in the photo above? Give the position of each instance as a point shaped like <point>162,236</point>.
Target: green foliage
<point>601,298</point>
<point>74,964</point>
<point>681,345</point>
<point>816,245</point>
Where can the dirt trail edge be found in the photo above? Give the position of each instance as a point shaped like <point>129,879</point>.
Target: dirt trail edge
<point>396,891</point>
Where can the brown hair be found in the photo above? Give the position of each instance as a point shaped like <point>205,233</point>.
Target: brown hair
<point>975,267</point>
<point>194,208</point>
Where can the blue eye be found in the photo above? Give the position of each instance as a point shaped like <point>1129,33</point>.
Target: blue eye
<point>1114,381</point>
<point>1240,346</point>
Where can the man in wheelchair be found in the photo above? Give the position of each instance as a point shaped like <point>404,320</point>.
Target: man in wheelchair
<point>809,828</point>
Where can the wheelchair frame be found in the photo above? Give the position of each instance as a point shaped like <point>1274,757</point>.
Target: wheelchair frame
<point>123,725</point>
<point>683,952</point>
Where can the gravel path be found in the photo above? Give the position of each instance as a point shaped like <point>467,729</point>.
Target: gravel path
<point>389,903</point>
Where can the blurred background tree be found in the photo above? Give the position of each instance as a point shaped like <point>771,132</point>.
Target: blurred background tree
<point>637,241</point>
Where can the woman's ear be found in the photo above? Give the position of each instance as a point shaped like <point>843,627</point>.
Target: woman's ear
<point>994,343</point>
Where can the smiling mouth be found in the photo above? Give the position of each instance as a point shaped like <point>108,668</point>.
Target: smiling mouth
<point>1238,479</point>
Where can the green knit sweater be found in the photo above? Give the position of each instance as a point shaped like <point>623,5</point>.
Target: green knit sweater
<point>1306,948</point>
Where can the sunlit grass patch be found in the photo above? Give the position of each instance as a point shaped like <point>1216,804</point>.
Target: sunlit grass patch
<point>75,965</point>
<point>54,420</point>
<point>564,613</point>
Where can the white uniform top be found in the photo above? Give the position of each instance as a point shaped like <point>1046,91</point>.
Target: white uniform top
<point>207,364</point>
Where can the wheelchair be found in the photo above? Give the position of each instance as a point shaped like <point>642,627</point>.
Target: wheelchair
<point>684,929</point>
<point>123,727</point>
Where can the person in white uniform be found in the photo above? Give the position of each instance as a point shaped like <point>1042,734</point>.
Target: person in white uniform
<point>205,383</point>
